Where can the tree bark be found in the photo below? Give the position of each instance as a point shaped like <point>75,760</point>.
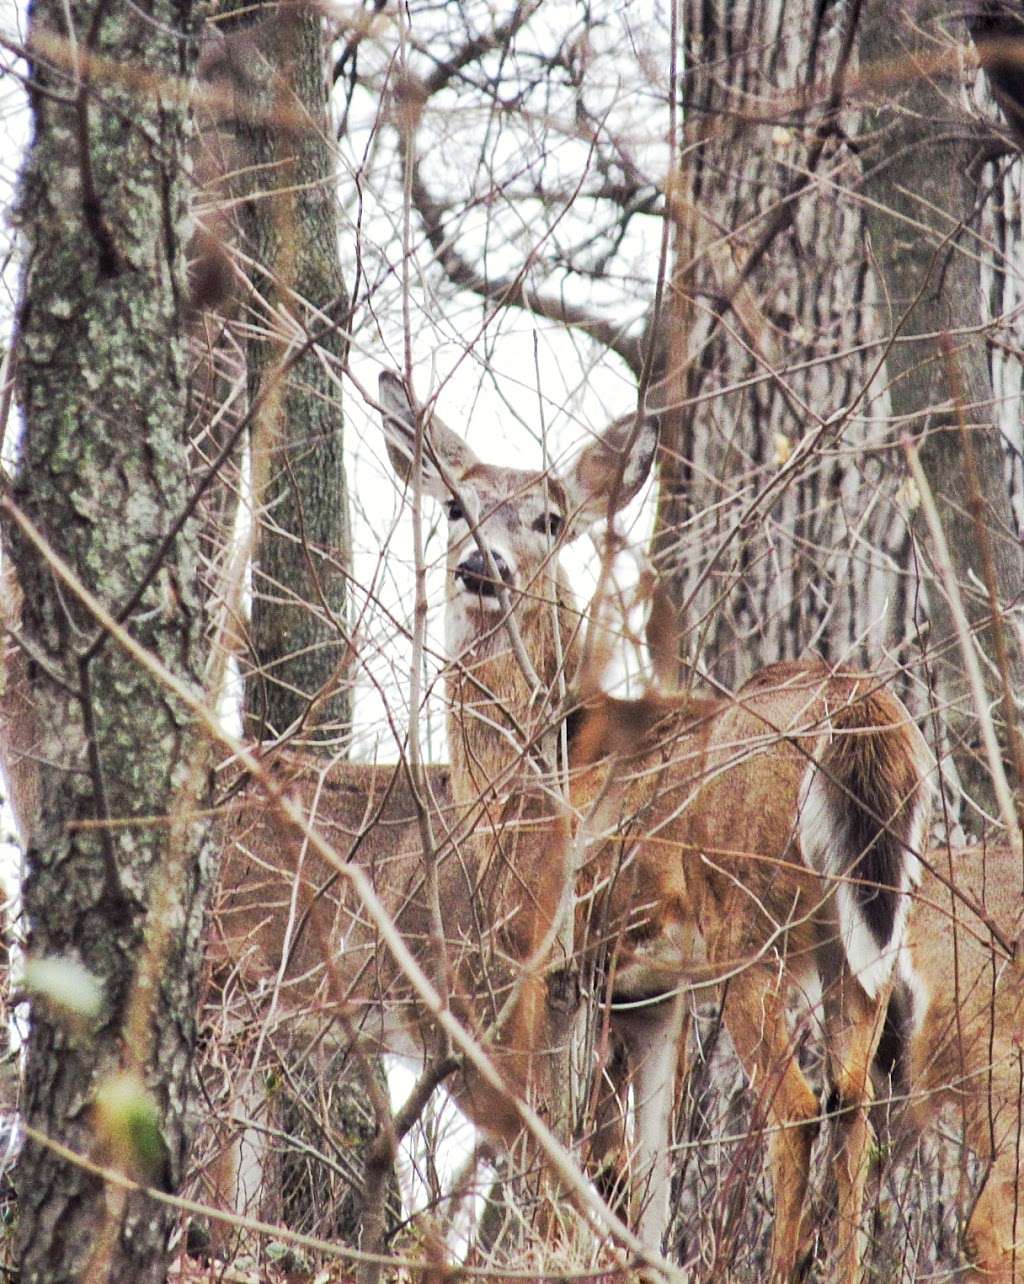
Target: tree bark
<point>103,478</point>
<point>775,536</point>
<point>289,227</point>
<point>922,180</point>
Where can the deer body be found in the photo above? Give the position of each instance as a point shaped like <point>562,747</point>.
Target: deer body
<point>291,940</point>
<point>295,969</point>
<point>743,825</point>
<point>296,966</point>
<point>285,926</point>
<point>967,1031</point>
<point>777,826</point>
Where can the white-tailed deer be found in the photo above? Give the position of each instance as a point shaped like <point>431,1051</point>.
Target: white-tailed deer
<point>295,963</point>
<point>967,1038</point>
<point>780,824</point>
<point>295,968</point>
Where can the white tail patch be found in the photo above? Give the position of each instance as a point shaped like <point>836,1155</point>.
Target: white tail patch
<point>822,832</point>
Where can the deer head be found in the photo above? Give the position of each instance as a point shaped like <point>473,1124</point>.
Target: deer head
<point>506,525</point>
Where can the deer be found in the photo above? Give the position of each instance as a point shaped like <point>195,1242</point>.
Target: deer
<point>295,968</point>
<point>955,1025</point>
<point>964,1034</point>
<point>295,973</point>
<point>779,827</point>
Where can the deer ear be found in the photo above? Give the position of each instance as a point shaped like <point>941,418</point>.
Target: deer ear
<point>444,452</point>
<point>609,471</point>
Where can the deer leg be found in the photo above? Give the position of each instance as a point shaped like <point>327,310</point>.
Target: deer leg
<point>853,1026</point>
<point>755,1016</point>
<point>608,1142</point>
<point>635,1045</point>
<point>241,1176</point>
<point>654,1039</point>
<point>989,1238</point>
<point>994,1238</point>
<point>532,1058</point>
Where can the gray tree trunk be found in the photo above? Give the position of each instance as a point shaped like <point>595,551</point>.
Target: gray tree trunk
<point>923,180</point>
<point>103,479</point>
<point>289,227</point>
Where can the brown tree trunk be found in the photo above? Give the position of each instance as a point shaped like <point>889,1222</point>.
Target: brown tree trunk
<point>922,178</point>
<point>103,480</point>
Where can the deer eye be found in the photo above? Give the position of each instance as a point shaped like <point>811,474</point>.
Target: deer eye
<point>549,524</point>
<point>455,513</point>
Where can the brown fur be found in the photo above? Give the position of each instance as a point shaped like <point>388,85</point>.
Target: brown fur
<point>698,830</point>
<point>966,1050</point>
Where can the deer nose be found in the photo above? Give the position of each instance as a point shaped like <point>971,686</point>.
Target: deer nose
<point>475,576</point>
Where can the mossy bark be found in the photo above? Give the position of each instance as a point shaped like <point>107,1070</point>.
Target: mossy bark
<point>102,477</point>
<point>295,354</point>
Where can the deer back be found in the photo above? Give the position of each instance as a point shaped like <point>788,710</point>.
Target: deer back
<point>969,1001</point>
<point>288,923</point>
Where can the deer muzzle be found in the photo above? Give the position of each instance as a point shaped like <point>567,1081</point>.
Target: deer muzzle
<point>475,576</point>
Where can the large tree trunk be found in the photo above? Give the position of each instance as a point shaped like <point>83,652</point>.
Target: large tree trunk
<point>103,479</point>
<point>776,535</point>
<point>923,182</point>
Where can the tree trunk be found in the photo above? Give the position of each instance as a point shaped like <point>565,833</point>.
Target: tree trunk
<point>289,228</point>
<point>776,535</point>
<point>922,180</point>
<point>102,478</point>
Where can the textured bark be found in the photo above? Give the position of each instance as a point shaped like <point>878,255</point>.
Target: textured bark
<point>102,476</point>
<point>289,227</point>
<point>762,563</point>
<point>923,183</point>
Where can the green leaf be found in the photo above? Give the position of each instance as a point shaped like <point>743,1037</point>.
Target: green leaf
<point>128,1123</point>
<point>65,983</point>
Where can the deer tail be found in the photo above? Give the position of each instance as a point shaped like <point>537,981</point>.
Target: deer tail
<point>864,814</point>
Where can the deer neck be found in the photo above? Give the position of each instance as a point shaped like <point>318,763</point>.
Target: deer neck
<point>498,722</point>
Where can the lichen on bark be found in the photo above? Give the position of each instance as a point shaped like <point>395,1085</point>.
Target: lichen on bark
<point>102,478</point>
